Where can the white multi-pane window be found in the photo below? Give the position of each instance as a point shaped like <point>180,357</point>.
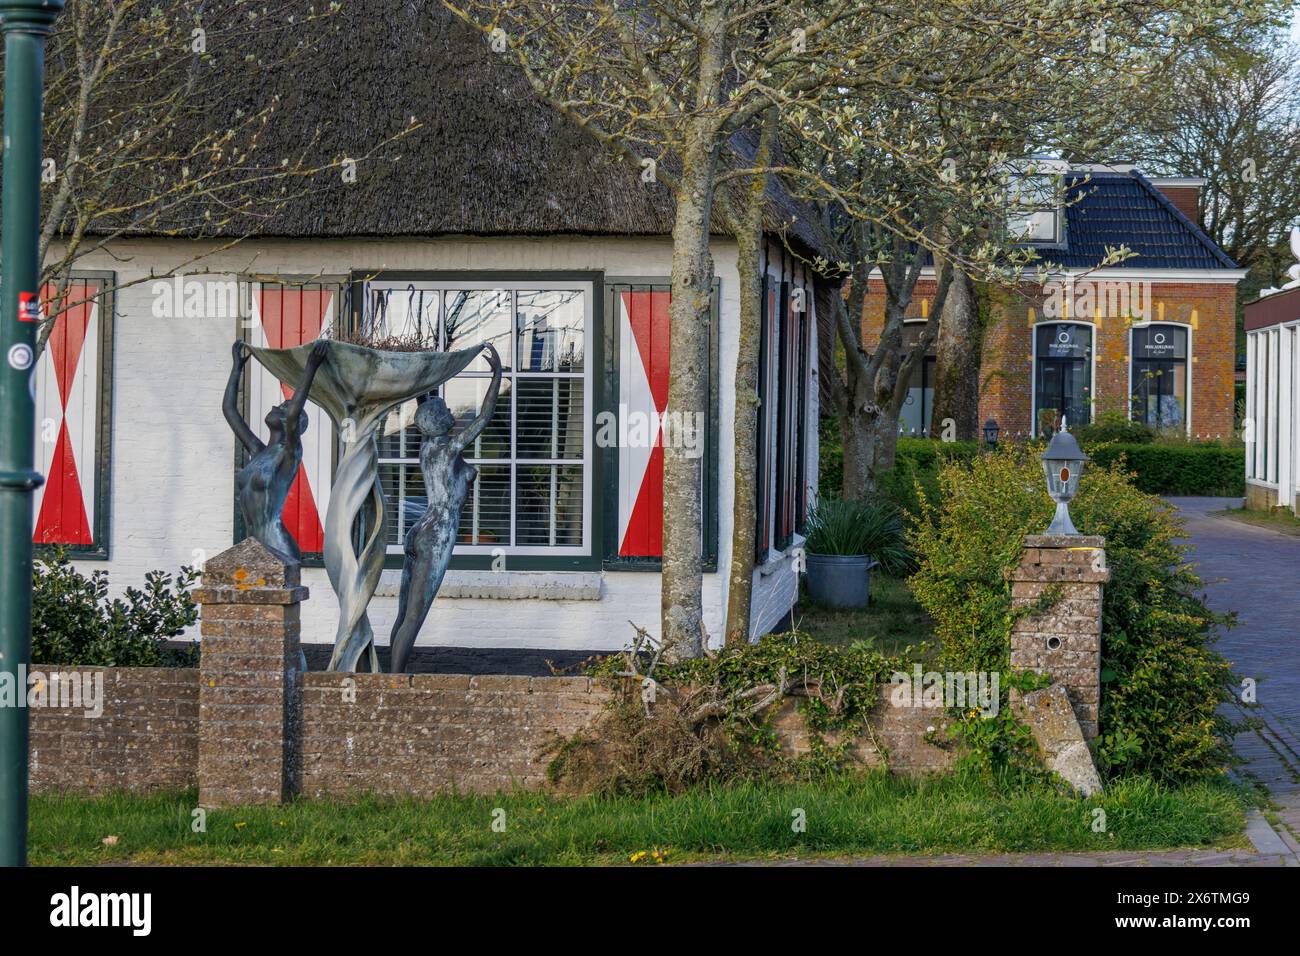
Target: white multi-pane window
<point>1034,209</point>
<point>533,490</point>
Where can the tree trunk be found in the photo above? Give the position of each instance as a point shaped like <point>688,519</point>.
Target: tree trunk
<point>957,363</point>
<point>681,594</point>
<point>749,263</point>
<point>876,386</point>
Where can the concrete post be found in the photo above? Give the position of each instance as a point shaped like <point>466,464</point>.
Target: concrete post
<point>249,691</point>
<point>1065,639</point>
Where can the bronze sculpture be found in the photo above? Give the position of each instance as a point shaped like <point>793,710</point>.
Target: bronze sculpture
<point>357,387</point>
<point>263,484</point>
<point>447,480</point>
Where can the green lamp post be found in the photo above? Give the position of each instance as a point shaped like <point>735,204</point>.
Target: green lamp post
<point>25,24</point>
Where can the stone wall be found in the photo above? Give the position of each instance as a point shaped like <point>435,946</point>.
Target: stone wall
<point>397,735</point>
<point>147,737</point>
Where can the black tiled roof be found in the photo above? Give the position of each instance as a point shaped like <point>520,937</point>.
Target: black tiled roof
<point>1126,209</point>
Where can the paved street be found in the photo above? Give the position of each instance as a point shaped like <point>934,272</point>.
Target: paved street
<point>1253,571</point>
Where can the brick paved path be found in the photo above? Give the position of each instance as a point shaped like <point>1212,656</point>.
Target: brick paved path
<point>1253,571</point>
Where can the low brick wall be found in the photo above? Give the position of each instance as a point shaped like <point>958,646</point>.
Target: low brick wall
<point>418,734</point>
<point>895,737</point>
<point>250,727</point>
<point>146,739</point>
<point>409,735</point>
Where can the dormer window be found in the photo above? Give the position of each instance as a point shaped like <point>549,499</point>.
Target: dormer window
<point>1034,202</point>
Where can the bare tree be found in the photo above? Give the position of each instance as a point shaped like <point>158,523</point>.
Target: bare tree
<point>1233,117</point>
<point>155,116</point>
<point>668,83</point>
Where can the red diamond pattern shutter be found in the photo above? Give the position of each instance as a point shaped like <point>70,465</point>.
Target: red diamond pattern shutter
<point>643,397</point>
<point>286,316</point>
<point>67,387</point>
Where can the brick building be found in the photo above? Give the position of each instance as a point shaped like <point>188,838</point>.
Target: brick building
<point>1152,338</point>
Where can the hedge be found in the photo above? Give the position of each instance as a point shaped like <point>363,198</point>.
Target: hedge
<point>1180,469</point>
<point>1159,469</point>
<point>1174,468</point>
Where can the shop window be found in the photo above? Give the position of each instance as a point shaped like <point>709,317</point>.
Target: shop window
<point>1062,375</point>
<point>1159,384</point>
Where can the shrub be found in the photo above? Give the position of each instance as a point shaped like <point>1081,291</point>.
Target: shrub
<point>712,716</point>
<point>1181,468</point>
<point>916,463</point>
<point>75,623</point>
<point>830,457</point>
<point>1158,466</point>
<point>1161,682</point>
<point>1114,427</point>
<point>840,527</point>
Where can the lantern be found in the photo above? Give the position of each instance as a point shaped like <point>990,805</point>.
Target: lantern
<point>1063,465</point>
<point>991,433</point>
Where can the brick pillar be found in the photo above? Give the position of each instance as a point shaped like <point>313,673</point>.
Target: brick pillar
<point>249,690</point>
<point>1065,639</point>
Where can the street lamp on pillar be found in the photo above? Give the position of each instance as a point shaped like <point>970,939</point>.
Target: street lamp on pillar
<point>991,433</point>
<point>1063,466</point>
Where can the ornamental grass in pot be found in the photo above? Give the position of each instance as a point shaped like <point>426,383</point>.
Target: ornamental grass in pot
<point>846,539</point>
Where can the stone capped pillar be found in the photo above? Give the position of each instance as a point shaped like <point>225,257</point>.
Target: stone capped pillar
<point>1065,639</point>
<point>249,688</point>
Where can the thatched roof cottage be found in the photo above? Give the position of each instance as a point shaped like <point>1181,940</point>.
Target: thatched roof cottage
<point>496,220</point>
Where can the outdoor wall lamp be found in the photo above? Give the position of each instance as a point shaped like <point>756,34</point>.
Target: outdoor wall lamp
<point>1063,465</point>
<point>991,432</point>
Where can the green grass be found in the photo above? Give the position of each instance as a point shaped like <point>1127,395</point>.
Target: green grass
<point>1279,519</point>
<point>849,815</point>
<point>892,621</point>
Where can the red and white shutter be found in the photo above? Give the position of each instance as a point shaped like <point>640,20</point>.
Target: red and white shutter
<point>284,317</point>
<point>643,336</point>
<point>67,418</point>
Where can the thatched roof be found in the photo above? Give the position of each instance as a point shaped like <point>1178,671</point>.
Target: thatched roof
<point>489,159</point>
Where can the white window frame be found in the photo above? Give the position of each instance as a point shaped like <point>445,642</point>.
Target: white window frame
<point>1187,411</point>
<point>514,376</point>
<point>1252,403</point>
<point>1033,372</point>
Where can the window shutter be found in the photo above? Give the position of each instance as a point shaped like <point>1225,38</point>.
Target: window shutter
<point>72,392</point>
<point>763,445</point>
<point>806,320</point>
<point>642,398</point>
<point>283,317</point>
<point>638,363</point>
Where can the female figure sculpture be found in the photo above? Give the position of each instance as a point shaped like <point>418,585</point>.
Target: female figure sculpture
<point>447,480</point>
<point>263,484</point>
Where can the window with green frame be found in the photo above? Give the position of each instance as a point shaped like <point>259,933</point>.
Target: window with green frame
<point>532,494</point>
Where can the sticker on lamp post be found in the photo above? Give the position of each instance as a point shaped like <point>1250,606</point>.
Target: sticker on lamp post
<point>29,307</point>
<point>21,357</point>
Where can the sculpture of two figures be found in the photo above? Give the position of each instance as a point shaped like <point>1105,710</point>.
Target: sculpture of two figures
<point>357,386</point>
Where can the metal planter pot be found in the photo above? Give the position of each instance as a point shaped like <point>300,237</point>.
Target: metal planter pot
<point>840,581</point>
